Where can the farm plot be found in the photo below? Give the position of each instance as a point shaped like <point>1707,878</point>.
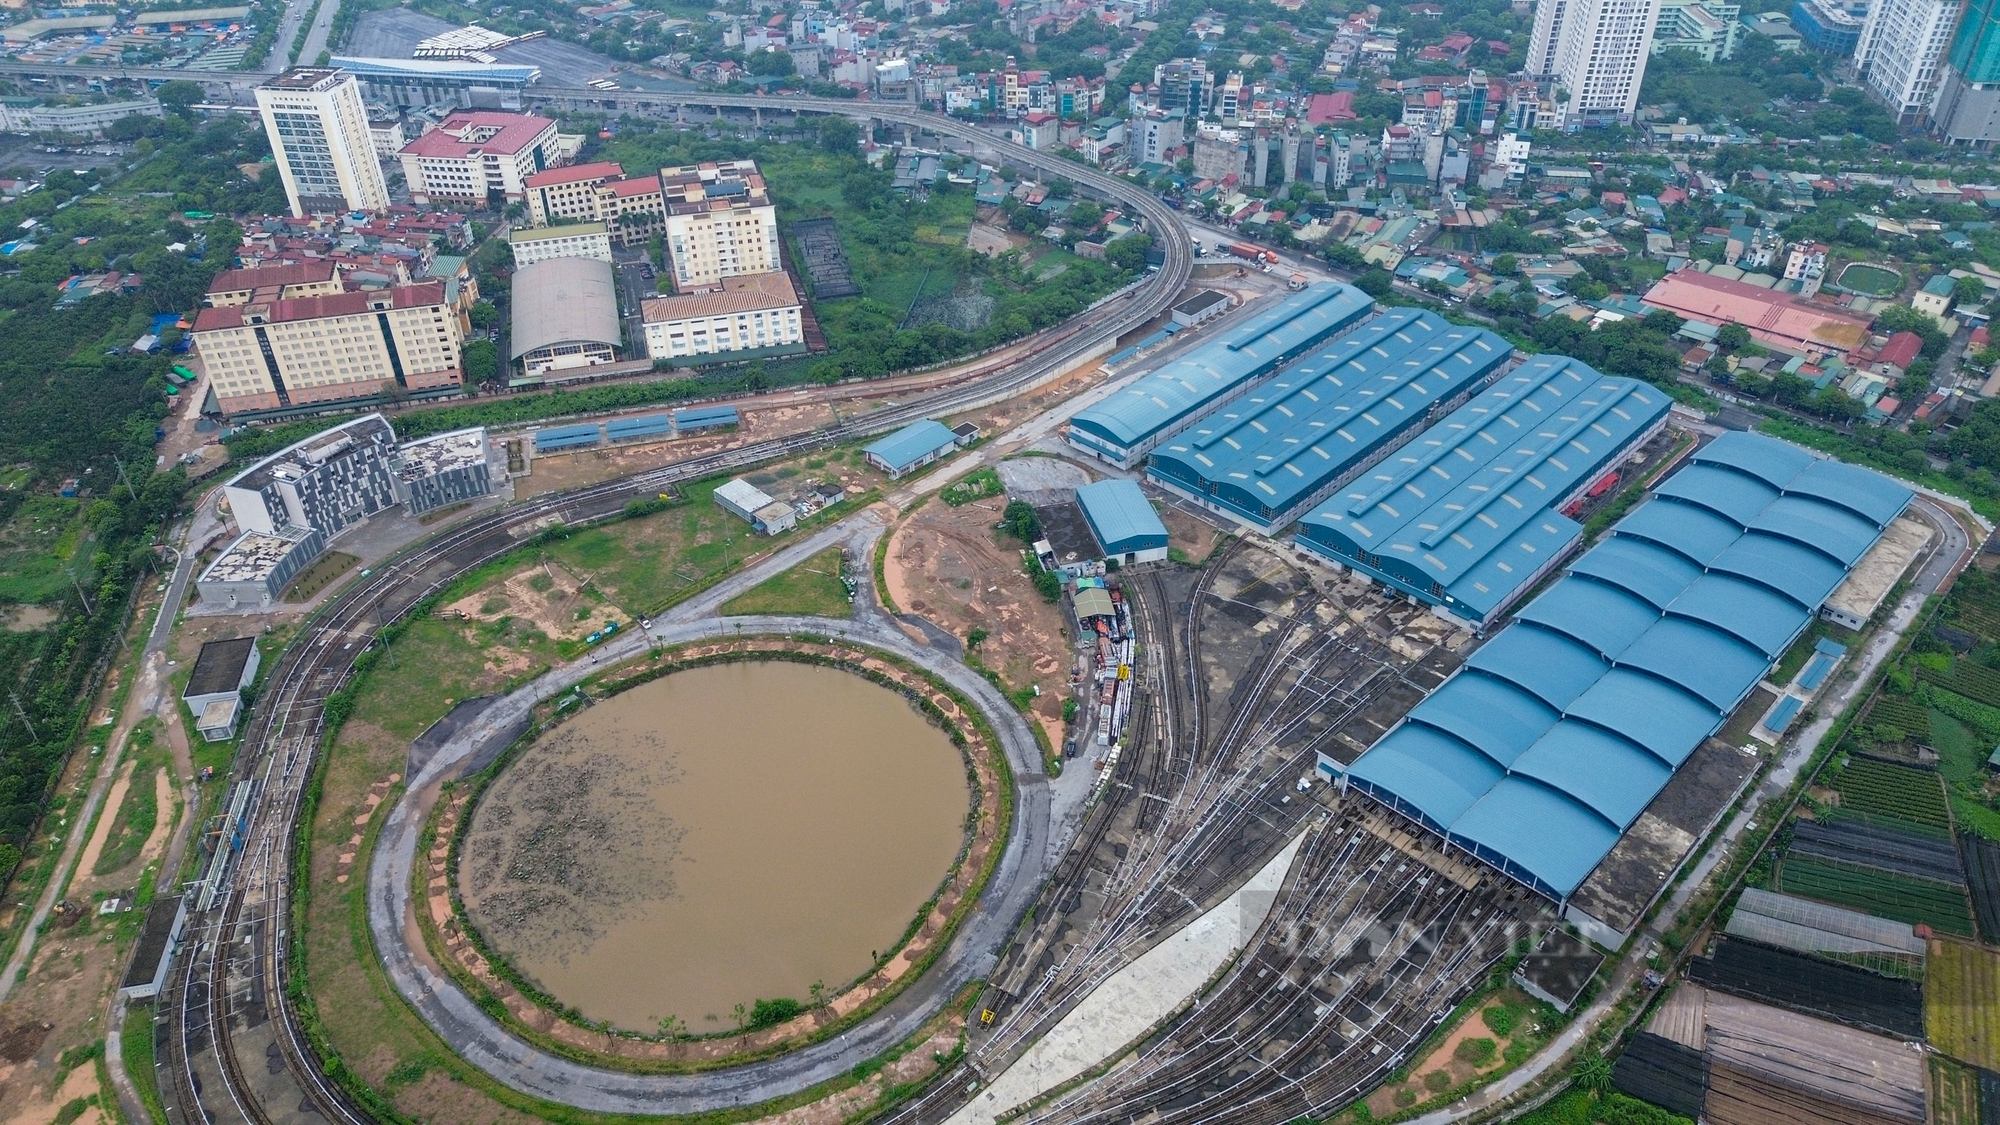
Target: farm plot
<point>1973,681</point>
<point>1916,901</point>
<point>1898,718</point>
<point>1658,1070</point>
<point>1882,847</point>
<point>1962,1003</point>
<point>1954,1093</point>
<point>1875,789</point>
<point>1810,986</point>
<point>1982,869</point>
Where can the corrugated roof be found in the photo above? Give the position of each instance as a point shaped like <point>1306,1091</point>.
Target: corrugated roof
<point>1187,384</point>
<point>1121,516</point>
<point>1620,669</point>
<point>1467,507</point>
<point>912,443</point>
<point>563,300</point>
<point>1268,451</point>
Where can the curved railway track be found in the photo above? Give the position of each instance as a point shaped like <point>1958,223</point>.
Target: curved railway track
<point>236,959</point>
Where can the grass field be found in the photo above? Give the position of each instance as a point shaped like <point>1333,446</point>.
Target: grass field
<point>325,569</point>
<point>135,1043</point>
<point>140,810</point>
<point>1895,897</point>
<point>39,550</point>
<point>813,587</point>
<point>1871,280</point>
<point>1962,1003</point>
<point>647,564</point>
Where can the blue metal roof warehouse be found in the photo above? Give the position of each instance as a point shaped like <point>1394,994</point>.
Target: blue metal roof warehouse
<point>1466,516</point>
<point>912,447</point>
<point>1313,426</point>
<point>1126,426</point>
<point>1552,739</point>
<point>1123,520</point>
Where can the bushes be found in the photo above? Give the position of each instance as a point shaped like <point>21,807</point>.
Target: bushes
<point>1475,1052</point>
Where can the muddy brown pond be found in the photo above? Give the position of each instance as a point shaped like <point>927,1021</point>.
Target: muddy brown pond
<point>715,837</point>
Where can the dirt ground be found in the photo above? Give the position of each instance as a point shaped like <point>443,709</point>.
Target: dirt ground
<point>992,241</point>
<point>949,566</point>
<point>1383,1101</point>
<point>550,597</point>
<point>1189,533</point>
<point>773,416</point>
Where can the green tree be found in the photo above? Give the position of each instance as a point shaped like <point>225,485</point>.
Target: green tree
<point>1129,253</point>
<point>1020,521</point>
<point>1732,338</point>
<point>179,96</point>
<point>839,135</point>
<point>1376,282</point>
<point>481,361</point>
<point>1968,290</point>
<point>484,314</point>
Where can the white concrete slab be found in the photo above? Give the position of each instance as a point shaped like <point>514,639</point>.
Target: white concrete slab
<point>1136,998</point>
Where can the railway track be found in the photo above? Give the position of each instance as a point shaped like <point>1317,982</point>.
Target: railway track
<point>236,967</point>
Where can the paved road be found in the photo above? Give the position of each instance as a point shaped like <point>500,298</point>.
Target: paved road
<point>316,34</point>
<point>486,1044</point>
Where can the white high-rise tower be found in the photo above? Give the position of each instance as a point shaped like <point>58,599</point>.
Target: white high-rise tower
<point>1595,53</point>
<point>319,134</point>
<point>1901,52</point>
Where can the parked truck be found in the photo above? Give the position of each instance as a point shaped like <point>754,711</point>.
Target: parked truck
<point>1262,257</point>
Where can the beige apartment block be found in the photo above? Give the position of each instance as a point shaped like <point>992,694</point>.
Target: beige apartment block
<point>268,355</point>
<point>720,223</point>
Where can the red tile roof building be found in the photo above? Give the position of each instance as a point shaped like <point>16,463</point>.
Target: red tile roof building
<point>277,353</point>
<point>471,156</point>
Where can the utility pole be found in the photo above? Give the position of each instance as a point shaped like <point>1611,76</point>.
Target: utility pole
<point>23,712</point>
<point>383,633</point>
<point>88,609</point>
<point>133,492</point>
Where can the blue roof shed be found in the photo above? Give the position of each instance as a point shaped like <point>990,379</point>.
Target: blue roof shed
<point>1123,519</point>
<point>1553,738</point>
<point>911,447</point>
<point>1464,517</point>
<point>1127,425</point>
<point>1264,456</point>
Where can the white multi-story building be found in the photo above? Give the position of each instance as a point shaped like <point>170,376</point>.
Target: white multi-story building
<point>471,157</point>
<point>1595,51</point>
<point>1156,135</point>
<point>1901,53</point>
<point>319,133</point>
<point>1511,153</point>
<point>720,223</point>
<point>747,313</point>
<point>575,240</point>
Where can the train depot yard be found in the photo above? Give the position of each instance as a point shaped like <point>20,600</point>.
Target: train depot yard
<point>1361,718</point>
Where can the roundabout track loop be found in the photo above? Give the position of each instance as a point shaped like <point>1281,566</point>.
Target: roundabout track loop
<point>232,978</point>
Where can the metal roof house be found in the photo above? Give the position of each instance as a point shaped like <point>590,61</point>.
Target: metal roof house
<point>1553,737</point>
<point>1467,516</point>
<point>1123,521</point>
<point>1295,437</point>
<point>912,447</point>
<point>1125,427</point>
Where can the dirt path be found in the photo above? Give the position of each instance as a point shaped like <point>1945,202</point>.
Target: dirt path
<point>78,1083</point>
<point>86,864</point>
<point>163,824</point>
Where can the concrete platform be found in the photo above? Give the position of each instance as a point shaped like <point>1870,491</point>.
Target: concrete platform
<point>1136,998</point>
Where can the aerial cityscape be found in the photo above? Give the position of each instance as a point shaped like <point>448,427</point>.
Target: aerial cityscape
<point>959,562</point>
